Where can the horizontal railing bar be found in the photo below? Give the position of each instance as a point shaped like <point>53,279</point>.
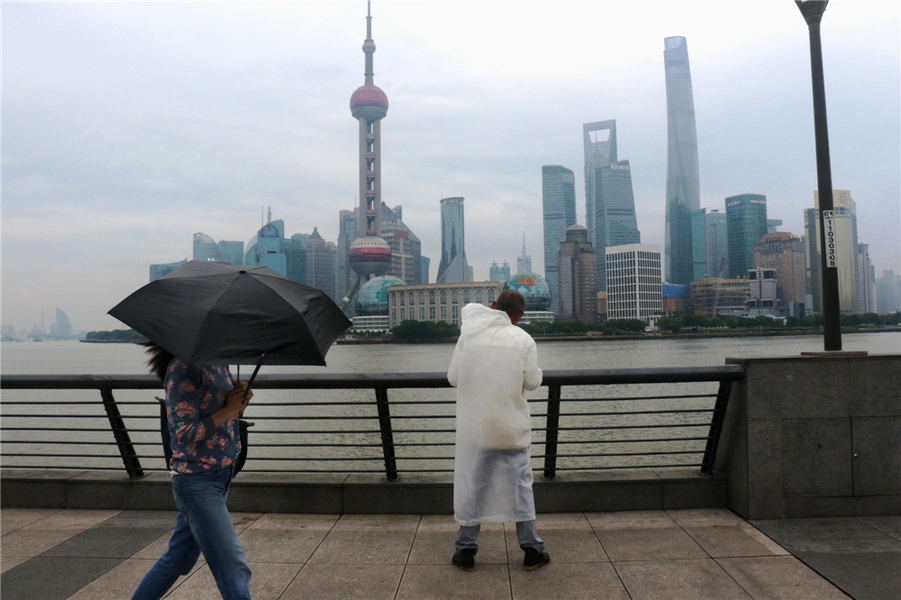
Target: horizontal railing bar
<point>639,412</point>
<point>647,426</point>
<point>644,441</point>
<point>385,380</point>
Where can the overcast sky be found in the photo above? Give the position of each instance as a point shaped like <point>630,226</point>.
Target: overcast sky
<point>127,127</point>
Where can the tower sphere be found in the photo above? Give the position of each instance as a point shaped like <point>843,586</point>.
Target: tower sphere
<point>369,102</point>
<point>534,289</point>
<point>373,297</point>
<point>369,255</point>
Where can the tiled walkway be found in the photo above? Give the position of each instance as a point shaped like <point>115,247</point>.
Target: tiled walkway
<point>672,555</point>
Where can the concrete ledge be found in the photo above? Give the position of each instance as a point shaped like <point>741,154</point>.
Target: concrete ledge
<point>364,494</point>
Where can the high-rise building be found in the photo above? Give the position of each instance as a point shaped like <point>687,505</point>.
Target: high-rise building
<point>784,252</point>
<point>558,201</point>
<point>866,289</point>
<point>224,251</point>
<point>577,270</point>
<point>634,282</point>
<point>406,249</point>
<point>614,216</point>
<point>161,270</point>
<point>498,272</point>
<point>715,296</point>
<point>683,193</point>
<point>453,267</point>
<point>762,291</point>
<point>266,248</point>
<point>369,255</point>
<point>347,233</point>
<point>717,238</point>
<point>524,260</point>
<point>320,263</point>
<point>746,224</point>
<point>844,228</point>
<point>599,144</point>
<point>888,293</point>
<point>61,328</point>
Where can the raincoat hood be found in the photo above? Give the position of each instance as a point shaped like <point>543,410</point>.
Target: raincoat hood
<point>477,317</point>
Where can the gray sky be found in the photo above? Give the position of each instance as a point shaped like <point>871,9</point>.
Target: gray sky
<point>127,127</point>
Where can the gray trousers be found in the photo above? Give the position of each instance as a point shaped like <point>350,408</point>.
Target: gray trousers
<point>526,534</point>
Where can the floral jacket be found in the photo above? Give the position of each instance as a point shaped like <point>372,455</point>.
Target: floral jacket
<point>192,395</point>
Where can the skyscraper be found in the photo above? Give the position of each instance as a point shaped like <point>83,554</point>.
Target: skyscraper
<point>614,216</point>
<point>683,195</point>
<point>717,238</point>
<point>634,285</point>
<point>453,267</point>
<point>524,260</point>
<point>558,200</point>
<point>498,272</point>
<point>577,269</point>
<point>369,255</point>
<point>845,231</point>
<point>746,223</point>
<point>784,252</point>
<point>206,249</point>
<point>599,143</point>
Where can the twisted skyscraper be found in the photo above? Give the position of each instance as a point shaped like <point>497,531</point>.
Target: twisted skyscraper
<point>683,195</point>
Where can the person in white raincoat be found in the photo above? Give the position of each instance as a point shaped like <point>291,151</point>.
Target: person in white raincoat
<point>493,365</point>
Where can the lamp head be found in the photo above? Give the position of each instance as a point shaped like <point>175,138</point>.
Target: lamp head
<point>812,10</point>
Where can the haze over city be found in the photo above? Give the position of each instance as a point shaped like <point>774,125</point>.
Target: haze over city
<point>127,127</point>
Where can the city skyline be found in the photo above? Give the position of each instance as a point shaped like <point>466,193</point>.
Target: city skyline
<point>203,113</point>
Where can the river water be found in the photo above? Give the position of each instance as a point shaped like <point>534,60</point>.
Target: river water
<point>327,431</point>
<point>69,357</point>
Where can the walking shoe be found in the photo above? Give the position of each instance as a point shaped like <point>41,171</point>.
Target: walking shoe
<point>465,559</point>
<point>534,559</point>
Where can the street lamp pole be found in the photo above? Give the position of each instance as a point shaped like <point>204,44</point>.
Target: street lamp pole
<point>813,10</point>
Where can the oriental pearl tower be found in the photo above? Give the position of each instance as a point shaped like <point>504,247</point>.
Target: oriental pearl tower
<point>369,255</point>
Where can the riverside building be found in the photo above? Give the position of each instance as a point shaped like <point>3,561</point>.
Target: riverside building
<point>634,282</point>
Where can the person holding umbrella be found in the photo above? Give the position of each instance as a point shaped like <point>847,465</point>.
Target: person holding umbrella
<point>203,404</point>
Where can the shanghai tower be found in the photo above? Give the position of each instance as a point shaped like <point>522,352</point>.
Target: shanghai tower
<point>683,195</point>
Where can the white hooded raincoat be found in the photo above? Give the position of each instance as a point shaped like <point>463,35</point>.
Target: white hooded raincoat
<point>493,365</point>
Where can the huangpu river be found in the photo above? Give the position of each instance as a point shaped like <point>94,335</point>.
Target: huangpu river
<point>279,418</point>
<point>71,357</point>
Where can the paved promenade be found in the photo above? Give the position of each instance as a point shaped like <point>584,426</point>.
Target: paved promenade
<point>50,554</point>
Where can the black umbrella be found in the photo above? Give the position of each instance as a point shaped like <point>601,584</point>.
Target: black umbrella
<point>211,313</point>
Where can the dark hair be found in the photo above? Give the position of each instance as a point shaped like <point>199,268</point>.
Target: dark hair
<point>510,302</point>
<point>159,358</point>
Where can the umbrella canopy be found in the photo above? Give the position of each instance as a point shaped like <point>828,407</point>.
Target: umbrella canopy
<point>211,313</point>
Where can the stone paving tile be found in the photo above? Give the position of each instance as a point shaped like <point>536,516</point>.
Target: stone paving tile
<point>567,581</point>
<point>280,546</point>
<point>345,582</point>
<point>679,579</point>
<point>107,542</point>
<point>117,583</point>
<point>25,542</point>
<point>634,519</point>
<point>9,562</point>
<point>663,543</point>
<point>50,578</point>
<point>845,534</point>
<point>889,525</point>
<point>377,523</point>
<point>432,582</point>
<point>706,517</point>
<point>862,575</point>
<point>268,582</point>
<point>779,578</point>
<point>364,547</point>
<point>721,541</point>
<point>16,518</point>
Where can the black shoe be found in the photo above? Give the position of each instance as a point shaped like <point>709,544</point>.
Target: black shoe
<point>465,559</point>
<point>534,559</point>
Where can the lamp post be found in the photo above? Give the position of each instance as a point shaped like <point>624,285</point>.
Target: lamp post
<point>813,10</point>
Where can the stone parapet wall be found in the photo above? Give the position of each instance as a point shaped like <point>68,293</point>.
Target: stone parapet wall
<point>814,436</point>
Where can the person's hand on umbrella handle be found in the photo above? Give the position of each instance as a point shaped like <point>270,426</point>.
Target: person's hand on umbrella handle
<point>243,391</point>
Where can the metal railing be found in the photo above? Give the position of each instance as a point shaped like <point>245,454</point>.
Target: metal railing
<point>607,419</point>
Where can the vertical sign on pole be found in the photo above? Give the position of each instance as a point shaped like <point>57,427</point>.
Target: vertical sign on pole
<point>829,233</point>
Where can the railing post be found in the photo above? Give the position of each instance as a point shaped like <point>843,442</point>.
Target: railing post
<point>120,433</point>
<point>381,401</point>
<point>716,426</point>
<point>552,431</point>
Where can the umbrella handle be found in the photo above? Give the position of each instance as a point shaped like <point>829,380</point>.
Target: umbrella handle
<point>254,375</point>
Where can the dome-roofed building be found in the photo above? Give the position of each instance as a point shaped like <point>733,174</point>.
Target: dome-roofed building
<point>535,289</point>
<point>372,304</point>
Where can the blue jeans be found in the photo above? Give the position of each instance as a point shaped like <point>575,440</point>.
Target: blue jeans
<point>203,525</point>
<point>526,535</point>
